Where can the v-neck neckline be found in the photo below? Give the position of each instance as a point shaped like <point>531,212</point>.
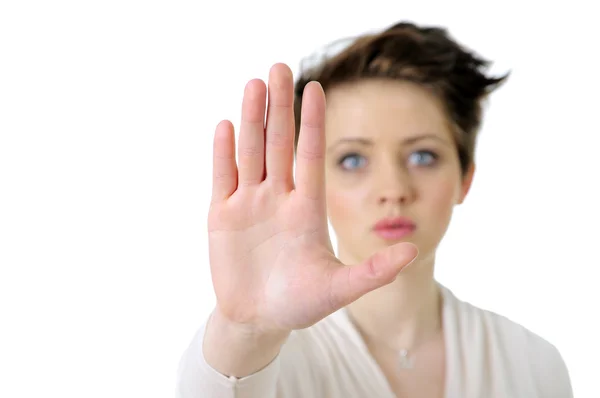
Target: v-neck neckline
<point>449,348</point>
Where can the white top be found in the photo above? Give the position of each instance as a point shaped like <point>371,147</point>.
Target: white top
<point>487,356</point>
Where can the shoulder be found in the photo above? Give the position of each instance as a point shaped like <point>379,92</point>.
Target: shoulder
<point>521,349</point>
<point>341,362</point>
<point>330,340</point>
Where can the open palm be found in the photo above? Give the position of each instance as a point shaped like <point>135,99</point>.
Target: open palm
<point>271,258</point>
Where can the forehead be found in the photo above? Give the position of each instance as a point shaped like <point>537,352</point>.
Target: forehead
<point>383,110</point>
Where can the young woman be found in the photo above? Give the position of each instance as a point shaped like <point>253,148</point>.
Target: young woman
<point>386,160</point>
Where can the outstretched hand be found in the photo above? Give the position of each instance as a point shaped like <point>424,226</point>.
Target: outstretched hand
<point>271,259</point>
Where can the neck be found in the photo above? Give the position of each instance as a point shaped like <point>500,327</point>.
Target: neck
<point>403,314</point>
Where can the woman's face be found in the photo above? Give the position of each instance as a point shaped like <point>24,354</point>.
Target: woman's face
<point>390,156</point>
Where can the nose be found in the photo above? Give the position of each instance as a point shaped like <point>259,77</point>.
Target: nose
<point>394,186</point>
<point>392,197</point>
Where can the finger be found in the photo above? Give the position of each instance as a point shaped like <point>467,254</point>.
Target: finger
<point>310,155</point>
<point>280,127</point>
<point>349,283</point>
<point>224,166</point>
<point>251,151</point>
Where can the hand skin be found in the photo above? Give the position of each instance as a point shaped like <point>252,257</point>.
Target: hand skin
<point>272,264</point>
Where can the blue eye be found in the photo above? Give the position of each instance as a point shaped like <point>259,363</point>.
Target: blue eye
<point>352,161</point>
<point>423,158</point>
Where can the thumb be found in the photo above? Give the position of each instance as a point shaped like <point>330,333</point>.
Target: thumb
<point>349,283</point>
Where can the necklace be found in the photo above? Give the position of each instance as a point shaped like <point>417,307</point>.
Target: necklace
<point>404,360</point>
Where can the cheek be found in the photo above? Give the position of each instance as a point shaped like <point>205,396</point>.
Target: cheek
<point>346,200</point>
<point>441,199</point>
<point>344,197</point>
<point>341,207</point>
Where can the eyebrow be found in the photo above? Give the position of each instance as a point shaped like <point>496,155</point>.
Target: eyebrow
<point>406,141</point>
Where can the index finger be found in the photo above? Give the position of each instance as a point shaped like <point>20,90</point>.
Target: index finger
<point>310,154</point>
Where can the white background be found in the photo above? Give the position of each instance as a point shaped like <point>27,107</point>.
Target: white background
<point>107,111</point>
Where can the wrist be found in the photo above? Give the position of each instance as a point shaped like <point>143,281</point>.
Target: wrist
<point>239,350</point>
<point>248,333</point>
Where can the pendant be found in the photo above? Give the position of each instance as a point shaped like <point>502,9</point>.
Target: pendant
<point>405,361</point>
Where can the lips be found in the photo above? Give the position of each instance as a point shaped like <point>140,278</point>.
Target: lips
<point>394,228</point>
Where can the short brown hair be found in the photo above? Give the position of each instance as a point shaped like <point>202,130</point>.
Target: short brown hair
<point>427,56</point>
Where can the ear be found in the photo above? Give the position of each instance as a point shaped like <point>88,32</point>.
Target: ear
<point>467,180</point>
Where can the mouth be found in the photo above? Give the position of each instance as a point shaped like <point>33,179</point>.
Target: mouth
<point>394,228</point>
